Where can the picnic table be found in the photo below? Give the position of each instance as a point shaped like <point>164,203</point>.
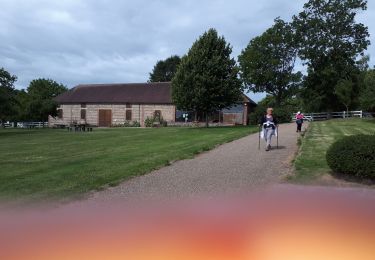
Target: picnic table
<point>80,128</point>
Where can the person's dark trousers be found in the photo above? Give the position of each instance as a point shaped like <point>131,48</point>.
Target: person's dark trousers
<point>299,127</point>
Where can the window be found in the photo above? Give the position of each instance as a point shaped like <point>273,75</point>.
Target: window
<point>83,114</point>
<point>60,113</point>
<point>128,115</point>
<point>83,105</point>
<point>128,105</point>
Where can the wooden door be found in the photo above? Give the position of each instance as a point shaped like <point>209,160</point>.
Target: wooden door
<point>105,118</point>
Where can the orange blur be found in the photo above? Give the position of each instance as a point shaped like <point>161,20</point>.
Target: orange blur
<point>270,232</point>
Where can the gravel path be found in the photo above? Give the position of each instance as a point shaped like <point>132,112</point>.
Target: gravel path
<point>233,167</point>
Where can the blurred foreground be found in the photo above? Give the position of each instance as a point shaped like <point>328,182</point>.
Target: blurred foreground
<point>288,222</point>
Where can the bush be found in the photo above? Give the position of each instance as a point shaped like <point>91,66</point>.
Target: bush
<point>156,121</point>
<point>353,156</point>
<point>164,123</point>
<point>136,124</point>
<point>149,122</point>
<point>127,124</point>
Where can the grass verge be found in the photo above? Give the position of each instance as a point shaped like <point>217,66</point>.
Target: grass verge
<point>55,164</point>
<point>310,164</point>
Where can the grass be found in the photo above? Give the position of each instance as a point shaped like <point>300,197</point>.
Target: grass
<point>311,164</point>
<point>56,165</point>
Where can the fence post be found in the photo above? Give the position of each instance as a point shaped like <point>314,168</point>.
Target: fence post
<point>361,113</point>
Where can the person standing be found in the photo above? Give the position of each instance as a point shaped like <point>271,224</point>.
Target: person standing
<point>299,121</point>
<point>269,127</point>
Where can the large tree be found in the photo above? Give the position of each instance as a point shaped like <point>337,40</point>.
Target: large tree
<point>207,78</point>
<point>267,63</point>
<point>41,94</point>
<point>165,70</point>
<point>344,93</point>
<point>7,95</point>
<point>367,97</point>
<point>330,41</point>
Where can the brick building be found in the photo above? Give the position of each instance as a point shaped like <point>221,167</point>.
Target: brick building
<point>106,105</point>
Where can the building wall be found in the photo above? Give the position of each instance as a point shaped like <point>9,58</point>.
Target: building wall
<point>72,113</point>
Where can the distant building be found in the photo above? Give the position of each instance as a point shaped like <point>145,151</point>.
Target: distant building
<point>105,105</point>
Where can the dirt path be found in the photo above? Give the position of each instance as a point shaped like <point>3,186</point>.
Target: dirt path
<point>234,167</point>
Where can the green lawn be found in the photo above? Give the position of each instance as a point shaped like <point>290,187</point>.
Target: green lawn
<point>55,164</point>
<point>311,164</point>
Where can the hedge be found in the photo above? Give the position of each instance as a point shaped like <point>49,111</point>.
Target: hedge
<point>353,156</point>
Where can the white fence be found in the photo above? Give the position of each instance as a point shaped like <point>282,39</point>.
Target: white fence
<point>26,124</point>
<point>332,115</point>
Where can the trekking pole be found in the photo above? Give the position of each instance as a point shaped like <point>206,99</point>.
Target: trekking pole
<point>259,138</point>
<point>278,137</point>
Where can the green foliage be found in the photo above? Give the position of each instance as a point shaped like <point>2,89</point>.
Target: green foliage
<point>41,93</point>
<point>367,97</point>
<point>283,112</point>
<point>207,78</point>
<point>149,122</point>
<point>329,27</point>
<point>268,61</point>
<point>156,120</point>
<point>344,92</point>
<point>311,163</point>
<point>165,70</point>
<point>127,124</point>
<point>7,95</point>
<point>136,124</point>
<point>30,171</point>
<point>354,156</point>
<point>329,42</point>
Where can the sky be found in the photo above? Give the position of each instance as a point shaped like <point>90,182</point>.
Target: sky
<point>111,41</point>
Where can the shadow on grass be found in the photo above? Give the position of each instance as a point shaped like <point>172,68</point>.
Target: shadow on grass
<point>15,133</point>
<point>353,179</point>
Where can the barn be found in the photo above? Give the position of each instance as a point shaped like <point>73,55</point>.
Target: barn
<point>106,105</point>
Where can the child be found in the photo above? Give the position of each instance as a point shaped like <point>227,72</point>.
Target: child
<point>299,121</point>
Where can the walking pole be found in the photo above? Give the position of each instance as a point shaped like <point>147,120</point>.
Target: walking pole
<point>259,139</point>
<point>278,137</point>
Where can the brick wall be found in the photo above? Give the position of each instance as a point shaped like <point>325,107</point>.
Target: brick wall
<point>72,113</point>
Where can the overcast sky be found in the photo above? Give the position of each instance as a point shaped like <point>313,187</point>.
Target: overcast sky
<point>109,41</point>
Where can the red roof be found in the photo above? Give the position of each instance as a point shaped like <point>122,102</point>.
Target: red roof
<point>137,93</point>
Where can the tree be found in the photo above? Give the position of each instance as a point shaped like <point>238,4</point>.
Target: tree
<point>207,78</point>
<point>41,94</point>
<point>330,42</point>
<point>344,92</point>
<point>267,64</point>
<point>21,106</point>
<point>367,97</point>
<point>7,95</point>
<point>164,71</point>
<point>283,111</point>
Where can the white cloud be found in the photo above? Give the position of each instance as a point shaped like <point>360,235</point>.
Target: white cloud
<point>84,41</point>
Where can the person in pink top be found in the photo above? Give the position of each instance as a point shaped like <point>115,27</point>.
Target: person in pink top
<point>299,121</point>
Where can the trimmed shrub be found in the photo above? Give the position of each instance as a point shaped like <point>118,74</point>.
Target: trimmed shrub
<point>127,124</point>
<point>353,156</point>
<point>149,122</point>
<point>136,124</point>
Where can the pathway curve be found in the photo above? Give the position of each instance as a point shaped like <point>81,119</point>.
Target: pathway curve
<point>233,167</point>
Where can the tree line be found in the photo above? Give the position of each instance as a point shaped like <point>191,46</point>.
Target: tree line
<point>324,37</point>
<point>33,104</point>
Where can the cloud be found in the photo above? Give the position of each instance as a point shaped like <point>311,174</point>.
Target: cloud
<point>83,41</point>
